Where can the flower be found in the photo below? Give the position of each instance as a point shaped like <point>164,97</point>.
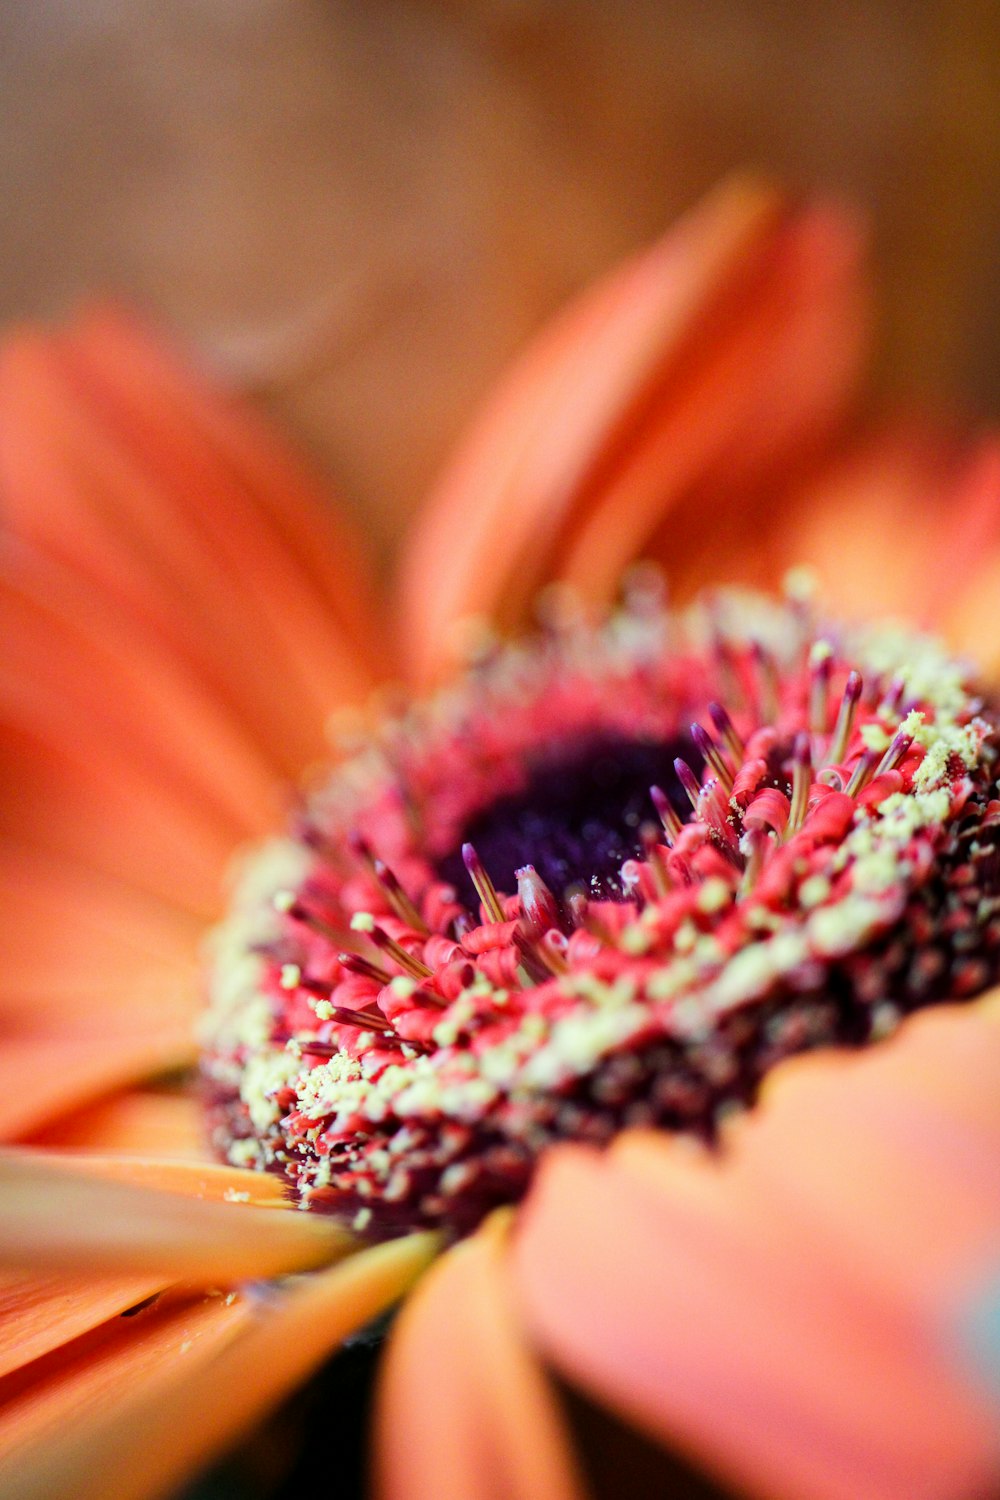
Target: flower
<point>182,612</point>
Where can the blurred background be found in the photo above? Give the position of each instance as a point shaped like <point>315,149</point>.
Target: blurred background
<point>360,210</point>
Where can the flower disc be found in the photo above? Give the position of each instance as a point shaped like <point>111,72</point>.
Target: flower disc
<point>610,879</point>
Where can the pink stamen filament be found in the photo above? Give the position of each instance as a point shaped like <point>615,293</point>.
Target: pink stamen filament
<point>845,718</point>
<point>485,889</point>
<point>666,813</point>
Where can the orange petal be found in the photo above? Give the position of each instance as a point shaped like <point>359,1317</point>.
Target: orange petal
<point>740,411</point>
<point>908,1193</point>
<point>40,1313</point>
<point>691,1301</point>
<point>508,490</point>
<point>293,505</point>
<point>162,528</point>
<point>78,1384</point>
<point>44,1074</point>
<point>883,498</point>
<point>99,985</point>
<point>103,811</point>
<point>167,1125</point>
<point>65,1213</point>
<point>183,1417</point>
<point>636,392</point>
<point>74,666</point>
<point>208,1180</point>
<point>463,1409</point>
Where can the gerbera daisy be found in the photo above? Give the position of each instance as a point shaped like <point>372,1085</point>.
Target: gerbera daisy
<point>524,976</point>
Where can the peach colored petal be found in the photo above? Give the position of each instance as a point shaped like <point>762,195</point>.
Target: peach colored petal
<point>64,1214</point>
<point>508,491</point>
<point>44,1074</point>
<point>73,666</point>
<point>76,946</point>
<point>870,522</point>
<point>743,408</point>
<point>295,506</point>
<point>463,1408</point>
<point>40,1313</point>
<point>693,1304</point>
<point>211,1181</point>
<point>82,1382</point>
<point>187,1410</point>
<point>106,813</point>
<point>143,527</point>
<point>725,348</point>
<point>969,532</point>
<point>141,1122</point>
<point>101,363</point>
<point>908,1193</point>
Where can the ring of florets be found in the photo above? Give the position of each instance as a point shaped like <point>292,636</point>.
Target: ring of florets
<point>609,879</point>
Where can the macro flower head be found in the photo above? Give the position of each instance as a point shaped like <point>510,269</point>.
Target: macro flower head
<point>560,969</point>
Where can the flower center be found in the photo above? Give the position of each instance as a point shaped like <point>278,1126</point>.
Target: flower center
<point>609,881</point>
<point>577,818</point>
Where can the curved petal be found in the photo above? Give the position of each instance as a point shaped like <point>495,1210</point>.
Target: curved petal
<point>744,1307</point>
<point>463,1408</point>
<point>141,1122</point>
<point>45,1073</point>
<point>723,347</point>
<point>39,1313</point>
<point>188,1410</point>
<point>107,470</point>
<point>126,1225</point>
<point>79,1383</point>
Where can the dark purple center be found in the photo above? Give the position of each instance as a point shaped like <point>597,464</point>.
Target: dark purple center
<point>577,817</point>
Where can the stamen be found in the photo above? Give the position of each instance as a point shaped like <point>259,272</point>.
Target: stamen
<point>820,663</point>
<point>485,889</point>
<point>667,813</point>
<point>845,718</point>
<point>712,756</point>
<point>688,781</point>
<point>290,906</point>
<point>754,847</point>
<point>653,855</point>
<point>897,752</point>
<point>364,1020</point>
<point>397,897</point>
<point>726,730</point>
<point>386,878</point>
<point>893,700</point>
<point>355,964</point>
<point>408,962</point>
<point>862,773</point>
<point>801,782</point>
<point>767,681</point>
<point>537,902</point>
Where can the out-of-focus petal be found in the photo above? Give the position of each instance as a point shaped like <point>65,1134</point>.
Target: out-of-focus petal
<point>966,578</point>
<point>41,1312</point>
<point>744,1309</point>
<point>45,1072</point>
<point>110,471</point>
<point>187,1409</point>
<point>464,1410</point>
<point>723,348</point>
<point>80,1383</point>
<point>125,1225</point>
<point>147,382</point>
<point>141,1122</point>
<point>905,492</point>
<point>98,986</point>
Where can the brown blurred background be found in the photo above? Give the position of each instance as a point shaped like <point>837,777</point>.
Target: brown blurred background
<point>361,209</point>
